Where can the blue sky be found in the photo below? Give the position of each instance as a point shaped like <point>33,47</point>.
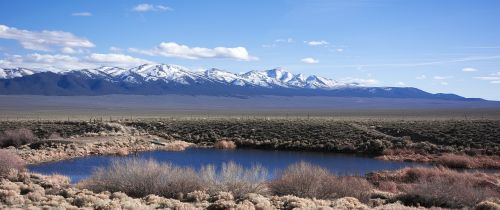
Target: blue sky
<point>439,46</point>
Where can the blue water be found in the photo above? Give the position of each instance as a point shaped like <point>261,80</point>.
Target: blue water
<point>339,164</point>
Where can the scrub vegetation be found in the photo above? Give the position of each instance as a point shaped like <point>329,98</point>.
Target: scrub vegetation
<point>428,187</point>
<point>147,184</point>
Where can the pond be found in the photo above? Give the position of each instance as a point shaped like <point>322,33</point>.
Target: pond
<point>339,164</point>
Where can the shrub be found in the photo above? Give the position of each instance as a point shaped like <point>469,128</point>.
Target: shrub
<point>122,152</point>
<point>17,137</point>
<point>488,205</point>
<point>225,144</point>
<point>349,186</point>
<point>455,161</point>
<point>446,192</point>
<point>306,180</point>
<point>9,161</point>
<point>465,161</point>
<point>440,186</point>
<point>235,179</point>
<point>55,135</point>
<point>138,178</point>
<point>301,179</point>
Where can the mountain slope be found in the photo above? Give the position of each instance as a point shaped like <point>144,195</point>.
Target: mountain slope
<point>162,79</point>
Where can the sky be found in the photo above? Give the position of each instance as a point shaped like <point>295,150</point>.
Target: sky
<point>446,46</point>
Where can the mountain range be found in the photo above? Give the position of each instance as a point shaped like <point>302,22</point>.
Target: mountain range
<point>161,79</point>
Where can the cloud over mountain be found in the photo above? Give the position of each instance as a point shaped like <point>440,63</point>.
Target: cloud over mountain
<point>172,49</point>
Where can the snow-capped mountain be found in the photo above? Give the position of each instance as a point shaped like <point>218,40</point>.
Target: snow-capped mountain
<point>180,75</point>
<point>154,79</point>
<point>15,72</point>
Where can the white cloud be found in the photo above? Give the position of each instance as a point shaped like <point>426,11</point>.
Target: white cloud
<point>469,69</point>
<point>428,63</point>
<point>309,60</point>
<point>489,78</point>
<point>360,81</point>
<point>84,14</point>
<point>339,50</point>
<point>150,8</point>
<point>442,77</point>
<point>44,40</point>
<point>493,78</point>
<point>68,50</point>
<point>115,49</point>
<point>53,62</point>
<point>401,84</point>
<point>268,45</point>
<point>120,60</point>
<point>316,43</point>
<point>444,83</point>
<point>172,49</point>
<point>58,62</point>
<point>421,77</point>
<point>288,40</point>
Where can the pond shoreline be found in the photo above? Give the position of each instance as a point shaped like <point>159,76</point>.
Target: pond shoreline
<point>198,157</point>
<point>122,140</point>
<point>112,145</point>
<point>381,140</point>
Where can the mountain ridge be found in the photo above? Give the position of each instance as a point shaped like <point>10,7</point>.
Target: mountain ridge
<point>159,79</point>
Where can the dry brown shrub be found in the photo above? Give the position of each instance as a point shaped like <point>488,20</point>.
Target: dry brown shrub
<point>55,135</point>
<point>225,144</point>
<point>488,205</point>
<point>447,193</point>
<point>402,151</point>
<point>349,186</point>
<point>466,161</point>
<point>388,186</point>
<point>138,178</point>
<point>456,161</point>
<point>301,179</point>
<point>306,180</point>
<point>122,152</point>
<point>176,146</point>
<point>235,179</point>
<point>440,186</point>
<point>17,137</point>
<point>9,161</point>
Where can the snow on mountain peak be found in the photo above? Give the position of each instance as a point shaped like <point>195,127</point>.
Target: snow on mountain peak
<point>15,72</point>
<point>167,73</point>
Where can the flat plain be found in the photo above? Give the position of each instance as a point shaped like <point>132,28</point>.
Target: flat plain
<point>28,107</point>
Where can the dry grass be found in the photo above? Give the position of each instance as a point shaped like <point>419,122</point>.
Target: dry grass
<point>9,161</point>
<point>306,180</point>
<point>450,160</point>
<point>302,180</point>
<point>17,137</point>
<point>225,144</point>
<point>466,161</point>
<point>138,178</point>
<point>429,187</point>
<point>349,186</point>
<point>122,152</point>
<point>440,186</point>
<point>446,192</point>
<point>236,179</point>
<point>176,146</point>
